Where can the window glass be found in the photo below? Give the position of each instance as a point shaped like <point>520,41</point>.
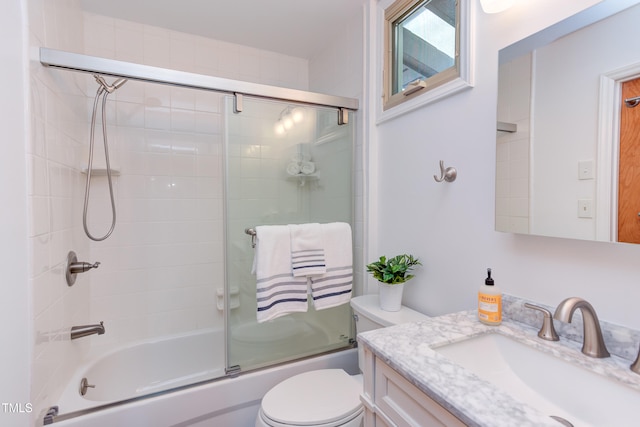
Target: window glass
<point>423,40</point>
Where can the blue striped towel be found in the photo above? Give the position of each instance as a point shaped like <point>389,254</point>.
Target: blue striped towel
<point>334,287</point>
<point>278,292</point>
<point>307,250</point>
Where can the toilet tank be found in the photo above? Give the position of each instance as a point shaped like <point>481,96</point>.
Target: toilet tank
<point>369,316</point>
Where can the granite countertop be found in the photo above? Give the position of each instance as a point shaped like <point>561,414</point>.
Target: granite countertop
<point>408,348</point>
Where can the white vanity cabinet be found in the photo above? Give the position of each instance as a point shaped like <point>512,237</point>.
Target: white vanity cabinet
<point>390,400</point>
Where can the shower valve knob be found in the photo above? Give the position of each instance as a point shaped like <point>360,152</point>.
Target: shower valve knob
<point>74,267</point>
<point>81,267</point>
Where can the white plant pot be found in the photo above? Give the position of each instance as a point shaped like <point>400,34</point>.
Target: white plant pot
<point>391,296</point>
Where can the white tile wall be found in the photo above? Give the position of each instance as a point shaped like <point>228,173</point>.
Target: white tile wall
<point>57,111</point>
<point>157,275</point>
<point>512,162</point>
<point>160,228</point>
<point>323,69</point>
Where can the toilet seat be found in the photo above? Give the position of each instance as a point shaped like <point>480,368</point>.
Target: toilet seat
<point>325,397</point>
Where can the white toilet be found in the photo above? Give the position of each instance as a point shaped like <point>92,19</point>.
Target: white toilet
<point>329,397</point>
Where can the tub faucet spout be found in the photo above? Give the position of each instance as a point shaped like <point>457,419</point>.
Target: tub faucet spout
<point>593,343</point>
<point>86,330</point>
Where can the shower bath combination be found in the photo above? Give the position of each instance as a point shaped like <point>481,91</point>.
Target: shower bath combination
<point>162,310</point>
<point>104,90</point>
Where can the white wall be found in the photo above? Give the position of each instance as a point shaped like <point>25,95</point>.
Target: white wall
<point>451,226</point>
<point>15,311</point>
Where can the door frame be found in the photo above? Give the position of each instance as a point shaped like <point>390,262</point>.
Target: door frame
<point>608,150</point>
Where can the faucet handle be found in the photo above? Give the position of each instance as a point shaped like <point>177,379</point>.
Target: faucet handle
<point>74,267</point>
<point>635,366</point>
<point>547,331</point>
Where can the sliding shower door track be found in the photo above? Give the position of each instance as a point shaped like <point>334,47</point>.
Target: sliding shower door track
<point>129,70</point>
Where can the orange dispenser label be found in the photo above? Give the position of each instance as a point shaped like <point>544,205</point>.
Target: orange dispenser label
<point>490,308</point>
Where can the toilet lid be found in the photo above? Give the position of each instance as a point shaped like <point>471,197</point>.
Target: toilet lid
<point>314,397</point>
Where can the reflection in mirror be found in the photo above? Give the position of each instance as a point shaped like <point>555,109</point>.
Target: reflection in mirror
<point>564,126</point>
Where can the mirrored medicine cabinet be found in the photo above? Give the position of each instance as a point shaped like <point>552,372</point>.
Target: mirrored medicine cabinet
<point>568,146</point>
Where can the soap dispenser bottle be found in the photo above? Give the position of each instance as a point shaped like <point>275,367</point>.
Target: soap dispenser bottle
<point>489,302</point>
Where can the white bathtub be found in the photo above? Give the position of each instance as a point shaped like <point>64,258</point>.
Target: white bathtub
<point>158,365</point>
<point>146,367</point>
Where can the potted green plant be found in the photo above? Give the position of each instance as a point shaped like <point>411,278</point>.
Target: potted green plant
<point>392,273</point>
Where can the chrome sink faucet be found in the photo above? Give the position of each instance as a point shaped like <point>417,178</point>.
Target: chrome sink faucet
<point>593,343</point>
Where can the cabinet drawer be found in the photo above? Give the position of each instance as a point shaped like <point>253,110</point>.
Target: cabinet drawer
<point>406,405</point>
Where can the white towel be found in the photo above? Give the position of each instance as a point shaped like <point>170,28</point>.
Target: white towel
<point>307,168</point>
<point>334,287</point>
<point>293,168</point>
<point>277,291</point>
<point>307,250</point>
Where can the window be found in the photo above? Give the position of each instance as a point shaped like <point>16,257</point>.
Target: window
<point>422,45</point>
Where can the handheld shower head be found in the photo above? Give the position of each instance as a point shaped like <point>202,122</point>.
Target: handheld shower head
<point>118,83</point>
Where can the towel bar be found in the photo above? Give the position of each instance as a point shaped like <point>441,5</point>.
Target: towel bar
<point>251,232</point>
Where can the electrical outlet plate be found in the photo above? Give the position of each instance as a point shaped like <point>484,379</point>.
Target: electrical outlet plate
<point>585,208</point>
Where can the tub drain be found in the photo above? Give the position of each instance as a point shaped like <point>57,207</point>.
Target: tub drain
<point>561,421</point>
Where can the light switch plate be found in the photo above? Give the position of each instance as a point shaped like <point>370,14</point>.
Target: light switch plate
<point>585,169</point>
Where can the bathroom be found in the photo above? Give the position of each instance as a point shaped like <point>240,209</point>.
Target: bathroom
<point>446,225</point>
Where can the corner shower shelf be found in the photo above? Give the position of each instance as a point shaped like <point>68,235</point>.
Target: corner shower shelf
<point>303,179</point>
<point>303,175</point>
<point>507,127</point>
<point>102,172</point>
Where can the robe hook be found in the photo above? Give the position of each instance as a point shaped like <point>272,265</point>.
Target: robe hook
<point>449,174</point>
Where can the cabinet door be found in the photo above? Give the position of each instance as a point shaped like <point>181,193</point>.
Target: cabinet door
<point>404,404</point>
<point>379,421</point>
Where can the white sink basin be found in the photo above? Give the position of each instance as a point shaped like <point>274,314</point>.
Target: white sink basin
<point>547,383</point>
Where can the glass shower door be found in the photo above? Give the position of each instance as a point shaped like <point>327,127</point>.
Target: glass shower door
<point>286,163</point>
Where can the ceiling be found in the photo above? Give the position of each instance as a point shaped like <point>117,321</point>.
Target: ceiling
<point>292,27</point>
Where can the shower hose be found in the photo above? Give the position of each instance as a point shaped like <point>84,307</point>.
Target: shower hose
<point>103,91</point>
